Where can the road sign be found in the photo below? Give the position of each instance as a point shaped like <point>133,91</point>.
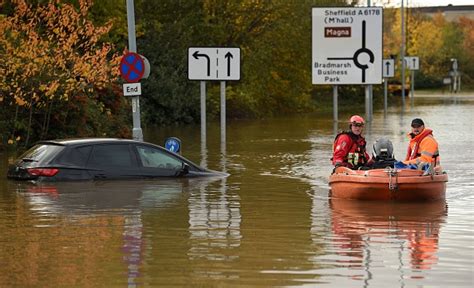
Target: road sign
<point>412,62</point>
<point>132,89</point>
<point>388,68</point>
<point>347,45</point>
<point>173,144</point>
<point>213,63</point>
<point>132,67</point>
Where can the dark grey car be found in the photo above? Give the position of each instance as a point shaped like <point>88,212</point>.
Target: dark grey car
<point>100,159</point>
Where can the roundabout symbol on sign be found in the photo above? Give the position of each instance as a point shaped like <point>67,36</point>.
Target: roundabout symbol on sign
<point>132,67</point>
<point>363,50</point>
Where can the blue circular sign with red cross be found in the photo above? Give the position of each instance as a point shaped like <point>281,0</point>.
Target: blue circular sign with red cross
<point>132,67</point>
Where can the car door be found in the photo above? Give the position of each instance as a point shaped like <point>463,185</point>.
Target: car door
<point>156,162</point>
<point>113,161</point>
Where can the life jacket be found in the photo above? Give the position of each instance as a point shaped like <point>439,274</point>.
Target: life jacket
<point>412,152</point>
<point>356,156</point>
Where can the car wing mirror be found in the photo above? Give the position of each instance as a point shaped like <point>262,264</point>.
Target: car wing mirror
<point>184,170</point>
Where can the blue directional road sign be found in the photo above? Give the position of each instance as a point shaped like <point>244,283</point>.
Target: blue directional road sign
<point>173,144</point>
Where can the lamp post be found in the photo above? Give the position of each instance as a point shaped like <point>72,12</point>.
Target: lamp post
<point>402,53</point>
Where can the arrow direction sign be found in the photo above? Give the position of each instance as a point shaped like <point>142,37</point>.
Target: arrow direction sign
<point>388,67</point>
<point>213,63</point>
<point>412,62</point>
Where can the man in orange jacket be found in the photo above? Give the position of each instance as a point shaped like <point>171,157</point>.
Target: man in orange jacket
<point>422,149</point>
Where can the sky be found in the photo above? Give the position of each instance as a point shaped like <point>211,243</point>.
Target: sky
<point>419,3</point>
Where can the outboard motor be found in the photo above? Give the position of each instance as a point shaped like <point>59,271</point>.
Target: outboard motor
<point>383,153</point>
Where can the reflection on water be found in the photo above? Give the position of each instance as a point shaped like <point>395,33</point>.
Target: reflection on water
<point>377,242</point>
<point>214,216</point>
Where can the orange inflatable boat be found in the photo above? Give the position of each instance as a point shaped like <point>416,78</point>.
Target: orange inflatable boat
<point>388,184</point>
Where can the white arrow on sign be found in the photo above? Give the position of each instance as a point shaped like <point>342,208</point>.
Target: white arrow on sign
<point>388,66</point>
<point>213,63</point>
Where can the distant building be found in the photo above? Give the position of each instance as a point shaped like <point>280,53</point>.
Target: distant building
<point>450,12</point>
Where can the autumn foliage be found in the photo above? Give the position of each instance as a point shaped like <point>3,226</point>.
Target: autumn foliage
<point>56,76</point>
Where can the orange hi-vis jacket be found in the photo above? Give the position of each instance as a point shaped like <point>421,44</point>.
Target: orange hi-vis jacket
<point>423,149</point>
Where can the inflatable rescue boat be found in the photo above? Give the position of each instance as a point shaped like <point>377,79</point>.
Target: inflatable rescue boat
<point>388,184</point>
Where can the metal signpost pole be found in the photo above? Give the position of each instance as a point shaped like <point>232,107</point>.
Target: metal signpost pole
<point>402,54</point>
<point>223,116</point>
<point>367,103</point>
<point>368,94</point>
<point>412,90</point>
<point>203,112</point>
<point>203,125</point>
<point>459,82</point>
<point>334,103</point>
<point>132,47</point>
<point>385,104</point>
<point>388,71</point>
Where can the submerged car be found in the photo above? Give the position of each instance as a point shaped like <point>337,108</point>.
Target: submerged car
<point>101,159</point>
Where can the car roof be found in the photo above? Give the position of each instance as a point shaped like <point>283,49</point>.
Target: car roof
<point>79,141</point>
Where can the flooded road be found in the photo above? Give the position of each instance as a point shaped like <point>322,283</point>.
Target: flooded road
<point>270,223</point>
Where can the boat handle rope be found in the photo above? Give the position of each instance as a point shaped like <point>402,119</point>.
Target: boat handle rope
<point>391,174</point>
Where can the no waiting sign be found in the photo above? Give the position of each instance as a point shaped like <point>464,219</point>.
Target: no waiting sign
<point>347,45</point>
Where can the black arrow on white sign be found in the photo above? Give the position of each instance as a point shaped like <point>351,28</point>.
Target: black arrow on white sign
<point>196,55</point>
<point>387,64</point>
<point>228,56</point>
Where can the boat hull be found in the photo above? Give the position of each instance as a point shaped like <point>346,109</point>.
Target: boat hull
<point>388,184</point>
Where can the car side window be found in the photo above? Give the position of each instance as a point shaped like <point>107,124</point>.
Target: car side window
<point>155,158</point>
<point>76,156</point>
<point>107,155</point>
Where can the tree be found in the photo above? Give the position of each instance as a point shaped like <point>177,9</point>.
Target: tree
<point>54,72</point>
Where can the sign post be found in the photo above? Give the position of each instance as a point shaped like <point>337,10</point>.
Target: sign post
<point>456,83</point>
<point>132,47</point>
<point>347,47</point>
<point>413,64</point>
<point>214,64</point>
<point>388,71</point>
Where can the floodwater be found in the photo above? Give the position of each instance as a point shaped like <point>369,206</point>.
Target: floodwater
<point>270,223</point>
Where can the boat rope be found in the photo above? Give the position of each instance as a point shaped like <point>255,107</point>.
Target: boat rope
<point>392,173</point>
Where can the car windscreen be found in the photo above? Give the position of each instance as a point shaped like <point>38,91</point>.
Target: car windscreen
<point>155,158</point>
<point>41,153</point>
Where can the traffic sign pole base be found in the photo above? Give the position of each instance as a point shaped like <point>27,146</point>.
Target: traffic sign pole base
<point>137,134</point>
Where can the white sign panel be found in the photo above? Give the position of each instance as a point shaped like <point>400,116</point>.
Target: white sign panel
<point>132,89</point>
<point>412,62</point>
<point>213,63</point>
<point>347,45</point>
<point>388,68</point>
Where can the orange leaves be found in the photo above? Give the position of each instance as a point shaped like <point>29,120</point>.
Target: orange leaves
<point>52,51</point>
